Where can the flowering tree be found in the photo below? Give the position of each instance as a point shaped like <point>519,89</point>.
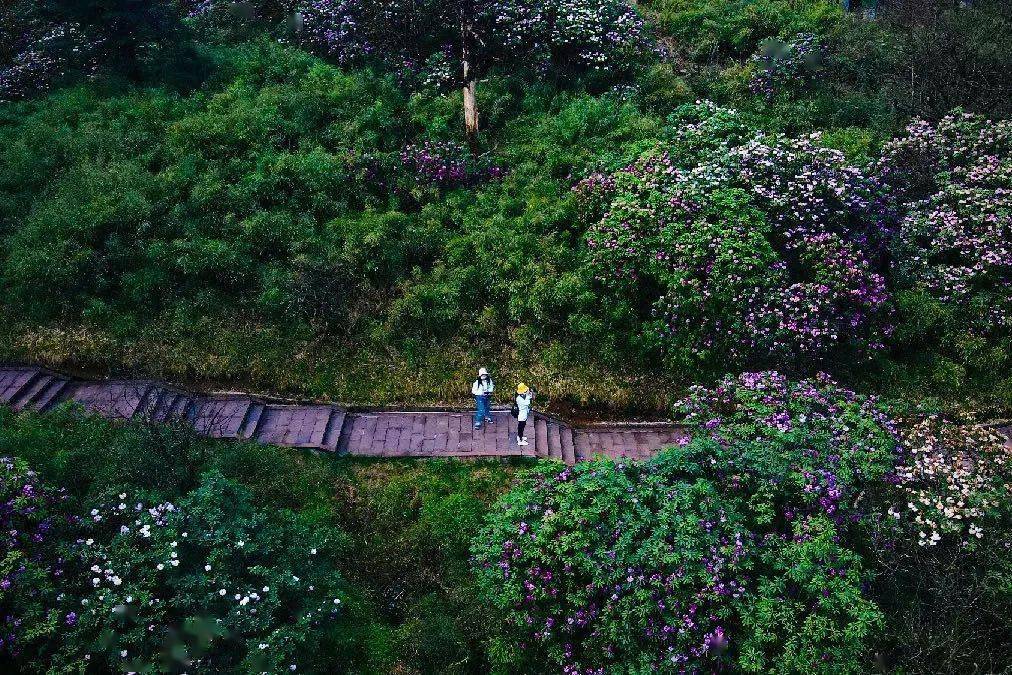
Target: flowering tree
<point>748,247</point>
<point>601,35</point>
<point>48,40</point>
<point>36,53</point>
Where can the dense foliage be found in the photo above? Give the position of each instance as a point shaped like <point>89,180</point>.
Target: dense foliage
<point>214,200</point>
<point>755,547</point>
<point>748,248</point>
<point>159,552</point>
<point>952,264</point>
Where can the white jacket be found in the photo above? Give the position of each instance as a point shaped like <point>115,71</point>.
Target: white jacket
<point>524,406</point>
<point>480,388</point>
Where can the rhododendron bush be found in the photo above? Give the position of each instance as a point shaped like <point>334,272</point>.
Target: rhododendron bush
<point>739,549</point>
<point>746,247</point>
<point>952,251</point>
<point>760,546</point>
<point>141,584</point>
<point>781,67</point>
<point>954,480</point>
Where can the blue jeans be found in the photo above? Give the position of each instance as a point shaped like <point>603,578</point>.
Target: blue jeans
<point>481,409</point>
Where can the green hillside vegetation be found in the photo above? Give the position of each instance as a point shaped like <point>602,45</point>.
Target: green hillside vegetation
<point>283,224</point>
<point>782,223</point>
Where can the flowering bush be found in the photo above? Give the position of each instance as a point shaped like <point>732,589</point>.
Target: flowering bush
<point>208,583</point>
<point>780,67</point>
<point>953,480</point>
<point>756,248</point>
<point>44,54</point>
<point>32,518</point>
<point>446,164</point>
<point>953,242</point>
<point>951,261</point>
<point>737,550</point>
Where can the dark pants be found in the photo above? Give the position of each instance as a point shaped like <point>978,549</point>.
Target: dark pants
<point>520,428</point>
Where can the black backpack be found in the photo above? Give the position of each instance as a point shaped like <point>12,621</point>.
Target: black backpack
<point>515,410</point>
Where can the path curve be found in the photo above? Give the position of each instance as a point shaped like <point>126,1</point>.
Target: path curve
<point>332,428</point>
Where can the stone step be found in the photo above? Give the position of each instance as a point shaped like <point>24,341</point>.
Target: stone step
<point>180,410</point>
<point>148,403</point>
<point>52,395</point>
<point>554,441</point>
<point>250,425</point>
<point>115,400</point>
<point>29,393</point>
<point>540,437</point>
<point>160,411</point>
<point>322,421</point>
<point>220,417</point>
<point>15,380</point>
<point>335,426</point>
<point>568,448</point>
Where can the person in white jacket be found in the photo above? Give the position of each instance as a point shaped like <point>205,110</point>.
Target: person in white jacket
<point>524,399</point>
<point>482,389</point>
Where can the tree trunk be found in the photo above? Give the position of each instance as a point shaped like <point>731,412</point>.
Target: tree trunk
<point>469,78</point>
<point>470,113</point>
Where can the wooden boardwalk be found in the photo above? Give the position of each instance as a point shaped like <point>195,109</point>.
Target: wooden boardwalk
<point>372,433</point>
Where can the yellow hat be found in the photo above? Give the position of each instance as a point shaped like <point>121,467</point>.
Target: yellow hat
<point>522,388</point>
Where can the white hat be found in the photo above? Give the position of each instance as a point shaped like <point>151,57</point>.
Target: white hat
<point>482,371</point>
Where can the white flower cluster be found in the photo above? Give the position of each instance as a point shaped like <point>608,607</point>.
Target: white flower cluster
<point>952,478</point>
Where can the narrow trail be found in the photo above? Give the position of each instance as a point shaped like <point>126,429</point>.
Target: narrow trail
<point>325,427</point>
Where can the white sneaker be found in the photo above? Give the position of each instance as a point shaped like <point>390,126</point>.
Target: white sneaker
<point>521,441</point>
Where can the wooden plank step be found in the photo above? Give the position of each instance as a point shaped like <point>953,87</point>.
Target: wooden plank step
<point>540,436</point>
<point>335,427</point>
<point>554,441</point>
<point>253,416</point>
<point>28,393</point>
<point>568,448</point>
